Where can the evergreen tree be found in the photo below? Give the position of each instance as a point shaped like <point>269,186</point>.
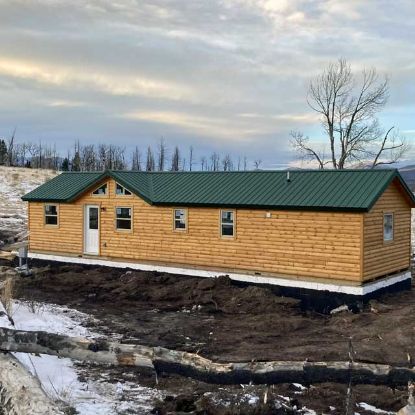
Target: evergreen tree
<point>76,162</point>
<point>65,164</point>
<point>3,152</point>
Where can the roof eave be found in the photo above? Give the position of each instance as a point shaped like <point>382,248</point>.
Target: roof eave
<point>352,209</point>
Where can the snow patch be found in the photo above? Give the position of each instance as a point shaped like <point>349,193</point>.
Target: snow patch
<point>371,408</point>
<point>60,377</point>
<point>14,183</point>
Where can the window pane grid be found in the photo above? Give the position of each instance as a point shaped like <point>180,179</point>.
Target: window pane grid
<point>102,190</point>
<point>227,223</point>
<point>51,215</point>
<point>121,190</point>
<point>123,218</point>
<point>179,219</point>
<point>388,227</point>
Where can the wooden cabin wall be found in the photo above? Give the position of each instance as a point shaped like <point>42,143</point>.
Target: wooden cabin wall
<point>293,243</point>
<point>384,257</point>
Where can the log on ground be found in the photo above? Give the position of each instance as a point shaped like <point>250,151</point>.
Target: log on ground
<point>164,360</point>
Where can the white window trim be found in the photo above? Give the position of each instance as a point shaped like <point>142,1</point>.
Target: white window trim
<point>123,190</point>
<point>100,195</point>
<point>46,215</point>
<point>185,220</point>
<point>125,219</point>
<point>393,227</point>
<point>233,224</point>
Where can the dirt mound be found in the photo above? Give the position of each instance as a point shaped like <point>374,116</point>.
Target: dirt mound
<point>170,292</point>
<point>165,292</point>
<point>228,322</point>
<point>218,403</point>
<point>224,321</point>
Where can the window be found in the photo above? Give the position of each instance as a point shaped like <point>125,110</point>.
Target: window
<point>123,218</point>
<point>180,219</point>
<point>51,214</point>
<point>227,222</point>
<point>93,216</point>
<point>102,190</point>
<point>388,227</point>
<point>121,190</point>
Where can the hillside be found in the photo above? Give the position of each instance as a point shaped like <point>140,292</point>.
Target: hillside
<point>14,183</point>
<point>408,173</point>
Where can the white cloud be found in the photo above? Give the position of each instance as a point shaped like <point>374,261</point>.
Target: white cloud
<point>72,77</point>
<point>216,127</point>
<point>218,71</point>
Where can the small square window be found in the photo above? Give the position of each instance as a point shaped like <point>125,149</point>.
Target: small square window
<point>123,218</point>
<point>388,227</point>
<point>121,190</point>
<point>227,223</point>
<point>102,190</point>
<point>51,215</point>
<point>180,219</point>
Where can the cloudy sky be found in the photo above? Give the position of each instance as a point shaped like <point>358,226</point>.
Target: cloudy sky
<point>221,75</point>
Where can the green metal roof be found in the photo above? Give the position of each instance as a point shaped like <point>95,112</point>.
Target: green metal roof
<point>341,190</point>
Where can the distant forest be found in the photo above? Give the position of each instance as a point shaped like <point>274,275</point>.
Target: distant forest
<point>90,157</point>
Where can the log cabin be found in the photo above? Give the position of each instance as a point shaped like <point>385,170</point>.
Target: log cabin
<point>346,231</point>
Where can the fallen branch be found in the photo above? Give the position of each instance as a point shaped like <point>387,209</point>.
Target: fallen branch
<point>197,367</point>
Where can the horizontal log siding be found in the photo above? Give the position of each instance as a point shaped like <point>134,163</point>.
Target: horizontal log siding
<point>292,243</point>
<point>384,257</point>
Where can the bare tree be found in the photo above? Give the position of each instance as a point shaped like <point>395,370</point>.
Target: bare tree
<point>304,147</point>
<point>203,163</point>
<point>136,162</point>
<point>347,106</point>
<point>257,164</point>
<point>102,157</point>
<point>88,160</point>
<point>161,155</point>
<point>245,163</point>
<point>191,158</point>
<point>175,160</point>
<point>214,161</point>
<point>33,150</point>
<point>20,150</point>
<point>150,163</point>
<point>10,149</point>
<point>227,163</point>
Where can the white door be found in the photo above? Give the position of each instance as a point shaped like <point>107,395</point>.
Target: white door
<point>91,230</point>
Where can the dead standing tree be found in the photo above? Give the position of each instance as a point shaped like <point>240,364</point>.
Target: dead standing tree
<point>161,155</point>
<point>348,107</point>
<point>175,160</point>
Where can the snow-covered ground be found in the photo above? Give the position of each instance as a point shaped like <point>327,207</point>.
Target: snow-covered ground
<point>14,183</point>
<point>371,408</point>
<point>60,377</point>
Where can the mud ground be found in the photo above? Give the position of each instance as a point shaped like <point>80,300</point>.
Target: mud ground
<point>226,322</point>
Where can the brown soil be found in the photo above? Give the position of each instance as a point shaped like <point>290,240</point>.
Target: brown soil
<point>226,322</point>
